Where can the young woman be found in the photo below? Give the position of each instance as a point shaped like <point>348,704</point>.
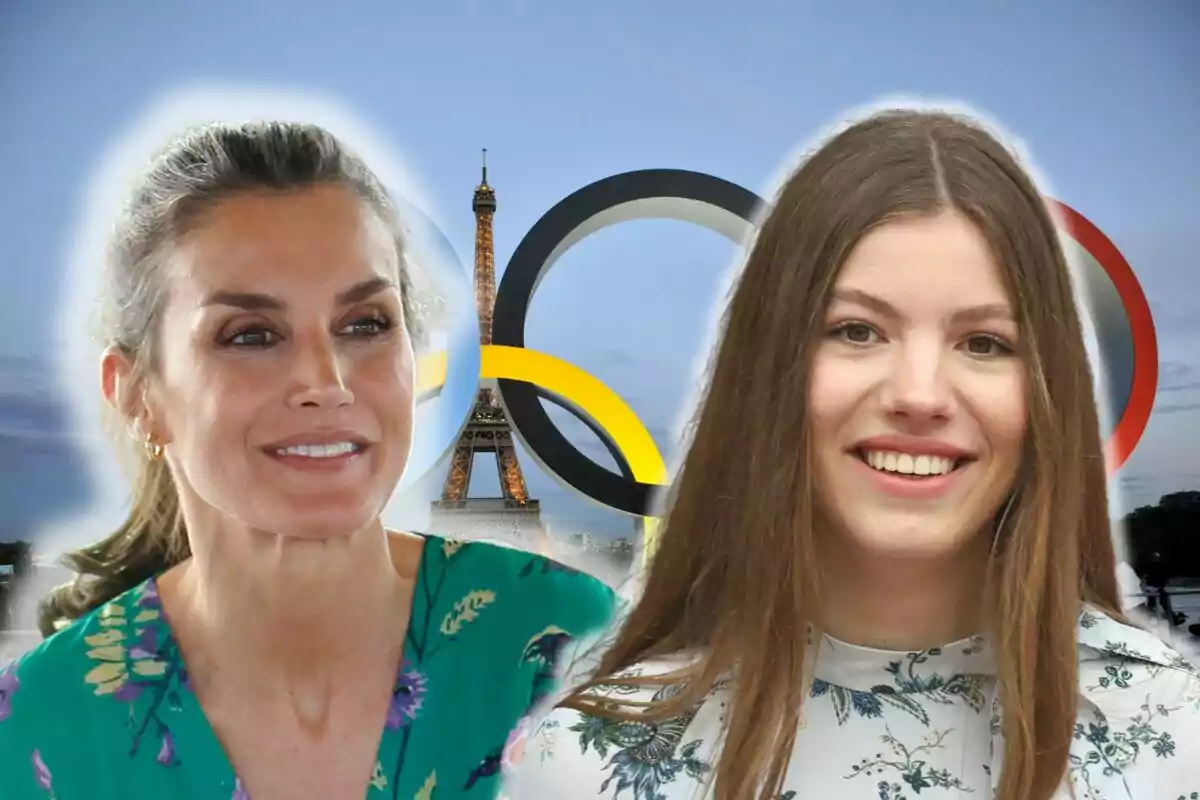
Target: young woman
<point>252,629</point>
<point>886,570</point>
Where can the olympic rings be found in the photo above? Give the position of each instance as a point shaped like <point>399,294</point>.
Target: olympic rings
<point>438,424</point>
<point>1124,327</point>
<point>569,386</point>
<point>693,197</point>
<point>589,399</point>
<point>1128,342</point>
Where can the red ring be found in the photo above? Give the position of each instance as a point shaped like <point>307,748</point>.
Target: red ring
<point>1133,420</point>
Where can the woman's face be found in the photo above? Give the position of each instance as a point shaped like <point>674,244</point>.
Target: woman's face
<point>284,385</point>
<point>918,395</point>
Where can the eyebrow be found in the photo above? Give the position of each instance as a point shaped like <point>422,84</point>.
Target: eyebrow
<point>970,314</point>
<point>255,301</point>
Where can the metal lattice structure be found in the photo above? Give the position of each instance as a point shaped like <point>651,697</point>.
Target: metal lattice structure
<point>513,516</point>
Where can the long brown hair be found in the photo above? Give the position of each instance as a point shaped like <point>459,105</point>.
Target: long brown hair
<point>734,579</point>
<point>200,167</point>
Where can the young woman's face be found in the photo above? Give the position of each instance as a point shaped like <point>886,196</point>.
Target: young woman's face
<point>284,387</point>
<point>918,395</point>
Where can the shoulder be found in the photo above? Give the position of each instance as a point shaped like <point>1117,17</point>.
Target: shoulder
<point>573,753</point>
<point>1140,706</point>
<point>532,585</point>
<point>66,661</point>
<point>45,682</point>
<point>1105,643</point>
<point>67,677</point>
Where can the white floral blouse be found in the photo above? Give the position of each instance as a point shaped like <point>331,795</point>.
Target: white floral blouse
<point>896,726</point>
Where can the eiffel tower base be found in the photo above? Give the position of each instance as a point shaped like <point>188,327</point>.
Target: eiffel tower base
<point>497,519</point>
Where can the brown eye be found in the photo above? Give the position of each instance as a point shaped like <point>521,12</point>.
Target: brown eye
<point>855,333</point>
<point>986,346</point>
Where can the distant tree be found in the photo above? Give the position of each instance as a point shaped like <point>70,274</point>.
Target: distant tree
<point>16,559</point>
<point>18,555</point>
<point>1164,539</point>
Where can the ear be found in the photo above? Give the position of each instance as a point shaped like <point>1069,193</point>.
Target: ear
<point>126,394</point>
<point>116,383</point>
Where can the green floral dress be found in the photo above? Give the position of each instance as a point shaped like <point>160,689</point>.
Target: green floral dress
<point>103,709</point>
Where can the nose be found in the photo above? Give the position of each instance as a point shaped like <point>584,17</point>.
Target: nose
<point>917,387</point>
<point>318,376</point>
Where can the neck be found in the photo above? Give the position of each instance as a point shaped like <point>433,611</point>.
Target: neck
<point>303,616</point>
<point>903,603</point>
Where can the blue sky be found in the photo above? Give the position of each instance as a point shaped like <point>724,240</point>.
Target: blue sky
<point>562,94</point>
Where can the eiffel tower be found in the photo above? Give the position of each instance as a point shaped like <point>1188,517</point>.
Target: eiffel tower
<point>513,517</point>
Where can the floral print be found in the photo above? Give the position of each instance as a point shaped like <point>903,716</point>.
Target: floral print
<point>1110,752</point>
<point>133,657</point>
<point>488,629</point>
<point>406,697</point>
<point>911,764</point>
<point>894,726</point>
<point>41,773</point>
<point>8,687</point>
<point>645,755</point>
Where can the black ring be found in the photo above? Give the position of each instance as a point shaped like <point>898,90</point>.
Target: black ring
<point>684,195</point>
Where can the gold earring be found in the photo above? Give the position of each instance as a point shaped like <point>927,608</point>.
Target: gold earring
<point>153,451</point>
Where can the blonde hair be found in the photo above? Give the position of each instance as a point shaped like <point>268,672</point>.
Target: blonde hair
<point>197,169</point>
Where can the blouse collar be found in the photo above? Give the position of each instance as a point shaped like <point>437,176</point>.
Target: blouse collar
<point>867,669</point>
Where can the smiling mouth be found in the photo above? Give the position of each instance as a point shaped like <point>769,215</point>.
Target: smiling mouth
<point>319,451</point>
<point>915,466</point>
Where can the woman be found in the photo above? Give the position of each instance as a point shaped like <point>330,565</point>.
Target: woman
<point>252,629</point>
<point>886,570</point>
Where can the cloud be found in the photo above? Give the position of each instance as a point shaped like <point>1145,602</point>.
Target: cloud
<point>616,358</point>
<point>1175,376</point>
<point>1177,408</point>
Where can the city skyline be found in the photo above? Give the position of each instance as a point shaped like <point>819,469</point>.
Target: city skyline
<point>673,91</point>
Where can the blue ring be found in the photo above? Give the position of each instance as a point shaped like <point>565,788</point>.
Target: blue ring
<point>439,420</point>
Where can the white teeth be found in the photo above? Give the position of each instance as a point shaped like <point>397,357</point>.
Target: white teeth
<point>319,450</point>
<point>907,464</point>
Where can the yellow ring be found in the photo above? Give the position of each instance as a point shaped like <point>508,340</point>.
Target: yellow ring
<point>586,393</point>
